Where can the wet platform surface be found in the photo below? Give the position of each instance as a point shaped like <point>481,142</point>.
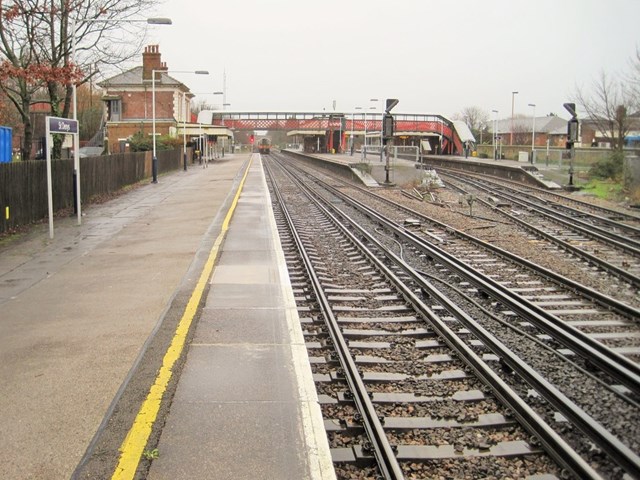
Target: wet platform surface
<point>246,405</point>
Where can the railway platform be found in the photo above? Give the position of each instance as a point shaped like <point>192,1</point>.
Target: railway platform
<point>510,169</point>
<point>88,316</point>
<point>246,405</point>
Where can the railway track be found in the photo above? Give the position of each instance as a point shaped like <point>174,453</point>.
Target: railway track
<point>574,206</point>
<point>602,241</point>
<point>608,320</point>
<point>452,396</point>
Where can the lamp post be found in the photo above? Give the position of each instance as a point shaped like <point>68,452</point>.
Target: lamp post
<point>353,119</point>
<point>154,160</point>
<point>365,130</point>
<point>533,133</point>
<point>364,142</point>
<point>381,119</point>
<point>224,138</point>
<point>513,97</point>
<point>184,129</point>
<point>74,96</point>
<point>495,133</point>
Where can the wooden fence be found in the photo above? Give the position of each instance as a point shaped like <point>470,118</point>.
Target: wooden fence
<point>23,185</point>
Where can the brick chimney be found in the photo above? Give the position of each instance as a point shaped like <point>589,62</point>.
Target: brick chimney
<point>151,60</point>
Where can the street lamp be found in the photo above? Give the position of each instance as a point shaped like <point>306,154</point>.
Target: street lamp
<point>154,160</point>
<point>74,95</point>
<point>353,119</point>
<point>184,129</point>
<point>381,119</point>
<point>513,96</point>
<point>185,114</point>
<point>364,144</point>
<point>533,133</point>
<point>495,133</point>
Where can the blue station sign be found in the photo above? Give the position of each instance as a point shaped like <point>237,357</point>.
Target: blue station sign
<point>62,125</point>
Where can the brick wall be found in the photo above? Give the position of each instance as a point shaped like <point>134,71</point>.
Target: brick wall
<point>122,130</point>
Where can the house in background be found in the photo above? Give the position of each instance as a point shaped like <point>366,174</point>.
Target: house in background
<point>552,129</point>
<point>592,134</point>
<point>128,101</point>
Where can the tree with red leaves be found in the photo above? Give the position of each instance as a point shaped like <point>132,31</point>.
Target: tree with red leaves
<point>36,42</point>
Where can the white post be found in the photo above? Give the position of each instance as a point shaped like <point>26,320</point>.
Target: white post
<point>353,114</point>
<point>184,129</point>
<point>513,102</point>
<point>533,133</point>
<point>533,137</point>
<point>49,178</point>
<point>364,148</point>
<point>154,159</point>
<point>76,141</point>
<point>495,133</point>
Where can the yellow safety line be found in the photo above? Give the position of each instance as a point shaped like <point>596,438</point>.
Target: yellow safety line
<point>136,440</point>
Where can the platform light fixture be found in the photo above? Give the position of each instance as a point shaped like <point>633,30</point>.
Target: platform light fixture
<point>74,93</point>
<point>381,118</point>
<point>513,97</point>
<point>154,160</point>
<point>353,119</point>
<point>495,133</point>
<point>533,132</point>
<point>184,124</point>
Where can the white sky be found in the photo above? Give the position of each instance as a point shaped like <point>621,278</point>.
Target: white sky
<point>434,56</point>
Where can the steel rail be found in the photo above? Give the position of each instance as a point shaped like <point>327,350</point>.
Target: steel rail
<point>614,364</point>
<point>629,245</point>
<point>619,272</point>
<point>383,451</point>
<point>622,454</point>
<point>528,189</point>
<point>556,446</point>
<point>489,178</point>
<point>600,298</point>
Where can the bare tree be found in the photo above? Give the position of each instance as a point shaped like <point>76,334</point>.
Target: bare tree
<point>607,105</point>
<point>36,42</point>
<point>201,105</point>
<point>475,117</point>
<point>633,79</point>
<point>521,134</point>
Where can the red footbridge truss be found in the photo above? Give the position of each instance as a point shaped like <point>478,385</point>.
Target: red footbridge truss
<point>412,125</point>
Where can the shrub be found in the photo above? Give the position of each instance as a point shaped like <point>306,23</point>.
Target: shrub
<point>611,167</point>
<point>139,142</point>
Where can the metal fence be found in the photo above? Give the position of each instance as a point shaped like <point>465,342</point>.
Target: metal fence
<point>23,185</point>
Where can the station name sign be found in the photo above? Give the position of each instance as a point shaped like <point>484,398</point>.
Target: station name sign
<point>62,125</point>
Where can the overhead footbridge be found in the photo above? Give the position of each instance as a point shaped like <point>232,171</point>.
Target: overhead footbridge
<point>326,132</point>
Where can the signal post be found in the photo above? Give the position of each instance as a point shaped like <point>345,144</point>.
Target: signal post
<point>388,127</point>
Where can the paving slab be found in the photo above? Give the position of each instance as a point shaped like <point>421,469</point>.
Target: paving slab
<point>245,406</point>
<point>75,311</point>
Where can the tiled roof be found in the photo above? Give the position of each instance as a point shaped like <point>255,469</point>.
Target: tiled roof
<point>552,125</point>
<point>133,77</point>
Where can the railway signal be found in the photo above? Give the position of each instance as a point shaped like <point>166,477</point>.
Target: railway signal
<point>387,133</point>
<point>572,135</point>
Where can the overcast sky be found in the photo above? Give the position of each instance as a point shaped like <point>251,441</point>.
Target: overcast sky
<point>434,56</point>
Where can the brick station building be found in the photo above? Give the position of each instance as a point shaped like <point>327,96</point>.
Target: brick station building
<point>128,101</point>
